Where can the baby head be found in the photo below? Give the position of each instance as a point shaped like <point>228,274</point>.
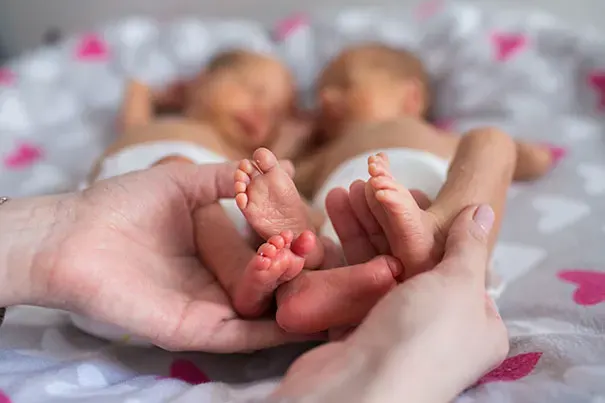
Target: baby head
<point>244,95</point>
<point>371,82</point>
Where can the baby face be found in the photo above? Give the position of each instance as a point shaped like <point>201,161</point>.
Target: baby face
<point>368,95</point>
<point>247,102</point>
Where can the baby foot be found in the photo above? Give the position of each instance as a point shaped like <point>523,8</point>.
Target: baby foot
<point>319,300</point>
<point>273,265</point>
<point>409,230</point>
<point>269,200</point>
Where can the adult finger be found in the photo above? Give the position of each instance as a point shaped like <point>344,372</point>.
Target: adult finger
<point>359,203</point>
<point>202,184</point>
<point>206,183</point>
<point>466,248</point>
<point>356,245</point>
<point>333,254</point>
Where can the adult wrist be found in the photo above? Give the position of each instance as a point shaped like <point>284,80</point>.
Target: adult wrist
<point>27,230</point>
<point>406,372</point>
<point>362,374</point>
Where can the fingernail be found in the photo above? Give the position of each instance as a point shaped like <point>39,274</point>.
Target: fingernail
<point>484,217</point>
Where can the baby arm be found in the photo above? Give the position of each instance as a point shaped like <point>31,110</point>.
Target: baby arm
<point>137,107</point>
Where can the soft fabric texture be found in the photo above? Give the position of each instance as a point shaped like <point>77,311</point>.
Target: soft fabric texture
<point>524,72</point>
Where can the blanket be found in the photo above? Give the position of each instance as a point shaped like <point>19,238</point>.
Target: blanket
<point>524,72</point>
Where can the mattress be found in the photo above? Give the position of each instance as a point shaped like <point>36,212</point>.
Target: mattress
<point>526,73</point>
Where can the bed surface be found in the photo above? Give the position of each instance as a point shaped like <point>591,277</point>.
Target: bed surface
<point>525,73</point>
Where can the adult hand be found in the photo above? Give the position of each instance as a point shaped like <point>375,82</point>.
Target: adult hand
<point>439,325</point>
<point>123,252</point>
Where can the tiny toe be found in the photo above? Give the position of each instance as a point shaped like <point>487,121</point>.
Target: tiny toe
<point>265,159</point>
<point>248,167</point>
<point>376,169</point>
<point>304,244</point>
<point>267,250</point>
<point>241,176</point>
<point>260,263</point>
<point>241,199</point>
<point>288,236</point>
<point>386,196</point>
<point>277,241</point>
<point>240,187</point>
<point>383,158</point>
<point>383,183</point>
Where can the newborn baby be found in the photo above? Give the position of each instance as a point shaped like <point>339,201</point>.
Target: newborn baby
<point>375,98</point>
<point>373,101</point>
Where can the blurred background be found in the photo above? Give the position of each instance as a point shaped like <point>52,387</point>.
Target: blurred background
<point>27,23</point>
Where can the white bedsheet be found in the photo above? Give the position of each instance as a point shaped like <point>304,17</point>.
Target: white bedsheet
<point>526,73</point>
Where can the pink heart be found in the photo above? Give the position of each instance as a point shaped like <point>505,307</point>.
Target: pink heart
<point>558,153</point>
<point>512,369</point>
<point>288,26</point>
<point>7,77</point>
<point>597,81</point>
<point>188,372</point>
<point>591,286</point>
<point>92,48</point>
<point>4,397</point>
<point>428,9</point>
<point>23,156</point>
<point>507,45</point>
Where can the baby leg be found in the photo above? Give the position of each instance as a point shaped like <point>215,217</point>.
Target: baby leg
<point>481,173</point>
<point>269,200</point>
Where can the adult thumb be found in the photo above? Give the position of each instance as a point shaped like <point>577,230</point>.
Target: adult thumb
<point>202,184</point>
<point>466,247</point>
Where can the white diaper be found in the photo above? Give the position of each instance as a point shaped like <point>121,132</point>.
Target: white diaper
<point>414,169</point>
<point>139,157</point>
